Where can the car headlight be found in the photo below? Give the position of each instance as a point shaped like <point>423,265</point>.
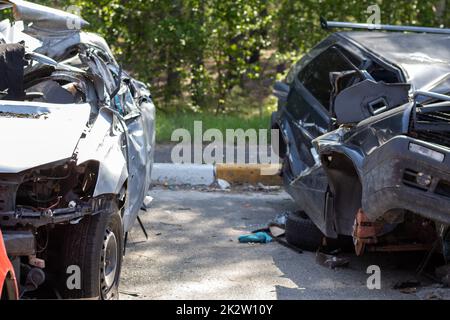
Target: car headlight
<point>426,152</point>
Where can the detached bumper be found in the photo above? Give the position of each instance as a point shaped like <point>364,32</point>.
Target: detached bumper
<point>36,219</point>
<point>389,181</point>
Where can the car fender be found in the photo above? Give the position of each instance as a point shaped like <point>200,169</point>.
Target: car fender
<point>331,143</point>
<point>343,166</point>
<point>104,146</point>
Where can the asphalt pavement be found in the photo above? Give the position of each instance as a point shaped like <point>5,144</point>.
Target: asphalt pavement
<point>193,253</point>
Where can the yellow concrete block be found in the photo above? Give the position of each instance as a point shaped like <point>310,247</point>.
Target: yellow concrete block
<point>250,173</point>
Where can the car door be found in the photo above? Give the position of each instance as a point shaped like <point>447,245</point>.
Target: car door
<point>139,118</point>
<point>308,117</point>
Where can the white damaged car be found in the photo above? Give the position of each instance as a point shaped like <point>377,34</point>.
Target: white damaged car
<point>77,139</point>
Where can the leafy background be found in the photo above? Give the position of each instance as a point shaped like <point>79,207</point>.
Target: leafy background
<point>221,57</point>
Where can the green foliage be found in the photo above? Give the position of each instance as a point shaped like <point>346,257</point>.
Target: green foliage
<point>195,53</point>
<point>166,123</point>
<point>297,21</point>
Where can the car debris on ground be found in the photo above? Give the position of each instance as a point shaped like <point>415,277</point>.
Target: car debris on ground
<point>258,237</point>
<point>331,261</point>
<point>408,287</point>
<point>223,185</point>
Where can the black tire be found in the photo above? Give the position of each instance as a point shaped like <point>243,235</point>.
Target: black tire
<point>342,243</point>
<point>302,232</point>
<point>85,245</point>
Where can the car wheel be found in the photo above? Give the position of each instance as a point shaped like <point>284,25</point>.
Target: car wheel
<point>95,245</point>
<point>302,232</point>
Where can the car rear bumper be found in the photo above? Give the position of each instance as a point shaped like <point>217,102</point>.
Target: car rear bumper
<point>390,181</point>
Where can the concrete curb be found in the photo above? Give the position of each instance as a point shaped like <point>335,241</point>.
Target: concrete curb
<point>205,175</point>
<point>183,174</point>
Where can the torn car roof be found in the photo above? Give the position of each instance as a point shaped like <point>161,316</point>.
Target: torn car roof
<point>44,18</point>
<point>423,57</point>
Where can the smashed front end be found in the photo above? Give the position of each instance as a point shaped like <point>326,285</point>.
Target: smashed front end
<point>399,161</point>
<point>35,200</point>
<point>412,171</point>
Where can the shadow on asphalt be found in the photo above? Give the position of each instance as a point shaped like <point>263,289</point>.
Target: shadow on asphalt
<point>193,253</point>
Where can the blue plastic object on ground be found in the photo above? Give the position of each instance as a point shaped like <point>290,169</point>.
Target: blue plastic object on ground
<point>259,237</point>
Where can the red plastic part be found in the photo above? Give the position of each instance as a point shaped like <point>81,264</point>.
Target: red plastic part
<point>7,275</point>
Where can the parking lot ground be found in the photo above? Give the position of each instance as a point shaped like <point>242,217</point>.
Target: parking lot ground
<point>193,253</point>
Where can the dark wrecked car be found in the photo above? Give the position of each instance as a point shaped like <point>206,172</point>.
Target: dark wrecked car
<point>77,138</point>
<point>364,122</point>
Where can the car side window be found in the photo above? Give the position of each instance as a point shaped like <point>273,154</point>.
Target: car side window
<point>316,75</point>
<point>380,73</point>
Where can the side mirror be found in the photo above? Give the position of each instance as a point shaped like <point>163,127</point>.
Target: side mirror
<point>368,98</point>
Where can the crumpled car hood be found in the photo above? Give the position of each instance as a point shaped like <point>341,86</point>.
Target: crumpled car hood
<point>34,134</point>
